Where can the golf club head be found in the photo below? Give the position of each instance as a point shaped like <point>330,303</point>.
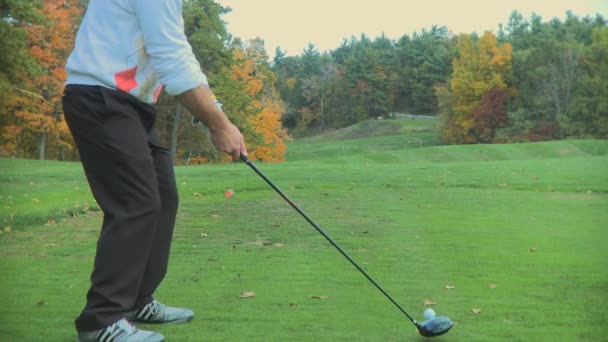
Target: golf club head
<point>435,326</point>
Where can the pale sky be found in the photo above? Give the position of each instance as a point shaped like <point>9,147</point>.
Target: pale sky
<point>292,24</point>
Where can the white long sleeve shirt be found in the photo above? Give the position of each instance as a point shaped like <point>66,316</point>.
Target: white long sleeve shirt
<point>136,46</point>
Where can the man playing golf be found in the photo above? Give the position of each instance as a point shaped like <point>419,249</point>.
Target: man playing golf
<point>125,52</point>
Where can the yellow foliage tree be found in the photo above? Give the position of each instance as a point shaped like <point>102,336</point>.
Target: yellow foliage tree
<point>481,66</point>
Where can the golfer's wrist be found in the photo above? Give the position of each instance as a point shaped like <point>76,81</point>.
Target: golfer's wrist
<point>219,122</point>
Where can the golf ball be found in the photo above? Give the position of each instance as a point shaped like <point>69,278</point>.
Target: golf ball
<point>429,313</point>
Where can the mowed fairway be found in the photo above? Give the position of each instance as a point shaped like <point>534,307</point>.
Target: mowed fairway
<point>518,231</point>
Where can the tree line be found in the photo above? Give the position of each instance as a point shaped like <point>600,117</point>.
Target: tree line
<point>532,80</point>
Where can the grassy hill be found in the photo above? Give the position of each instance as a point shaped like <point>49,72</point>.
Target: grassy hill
<point>518,231</point>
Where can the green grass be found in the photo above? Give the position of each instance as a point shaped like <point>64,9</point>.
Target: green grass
<point>377,128</point>
<point>530,218</point>
<point>33,191</point>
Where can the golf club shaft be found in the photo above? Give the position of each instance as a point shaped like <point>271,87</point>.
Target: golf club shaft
<point>331,241</point>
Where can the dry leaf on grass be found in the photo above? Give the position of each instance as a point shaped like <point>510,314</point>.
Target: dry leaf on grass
<point>476,310</point>
<point>428,302</point>
<point>247,294</point>
<point>449,287</point>
<point>279,244</point>
<point>293,305</point>
<point>196,194</point>
<point>492,285</point>
<point>318,297</point>
<point>8,229</point>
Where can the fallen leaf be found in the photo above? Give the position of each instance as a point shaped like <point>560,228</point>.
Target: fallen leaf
<point>279,244</point>
<point>492,285</point>
<point>204,234</point>
<point>449,287</point>
<point>215,216</point>
<point>8,229</point>
<point>196,194</point>
<point>40,303</point>
<point>247,294</point>
<point>35,200</point>
<point>318,297</point>
<point>476,310</point>
<point>50,222</point>
<point>428,302</point>
<point>293,305</point>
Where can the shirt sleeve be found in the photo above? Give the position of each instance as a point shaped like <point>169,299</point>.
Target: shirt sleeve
<point>162,25</point>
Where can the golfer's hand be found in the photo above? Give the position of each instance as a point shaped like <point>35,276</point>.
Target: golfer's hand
<point>229,139</point>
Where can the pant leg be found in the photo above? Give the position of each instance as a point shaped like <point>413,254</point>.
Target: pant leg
<point>112,131</point>
<point>159,258</point>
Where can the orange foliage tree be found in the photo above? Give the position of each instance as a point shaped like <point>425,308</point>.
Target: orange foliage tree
<point>34,112</point>
<point>253,103</point>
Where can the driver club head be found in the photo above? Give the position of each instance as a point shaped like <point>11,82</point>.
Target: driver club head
<point>435,326</point>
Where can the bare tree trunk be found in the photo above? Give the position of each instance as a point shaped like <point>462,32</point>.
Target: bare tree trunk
<point>322,100</point>
<point>562,77</point>
<point>41,146</point>
<point>179,111</point>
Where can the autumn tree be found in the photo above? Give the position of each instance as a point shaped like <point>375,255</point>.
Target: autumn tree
<point>34,110</point>
<point>260,117</point>
<point>491,114</point>
<point>482,66</point>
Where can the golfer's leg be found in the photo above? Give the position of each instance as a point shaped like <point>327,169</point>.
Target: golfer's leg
<point>159,256</point>
<point>118,163</point>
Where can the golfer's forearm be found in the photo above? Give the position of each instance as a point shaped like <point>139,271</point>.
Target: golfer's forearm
<point>199,101</point>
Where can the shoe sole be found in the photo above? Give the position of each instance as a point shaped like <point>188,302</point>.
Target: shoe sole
<point>176,321</point>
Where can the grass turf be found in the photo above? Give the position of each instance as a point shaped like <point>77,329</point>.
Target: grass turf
<point>528,218</point>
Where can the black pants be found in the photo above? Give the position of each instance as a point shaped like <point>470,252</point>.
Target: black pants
<point>131,177</point>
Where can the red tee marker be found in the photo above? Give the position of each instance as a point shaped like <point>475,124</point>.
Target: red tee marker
<point>229,193</point>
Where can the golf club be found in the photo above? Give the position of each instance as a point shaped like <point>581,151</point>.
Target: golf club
<point>431,327</point>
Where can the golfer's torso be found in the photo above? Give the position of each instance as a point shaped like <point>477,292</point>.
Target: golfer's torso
<point>109,51</point>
